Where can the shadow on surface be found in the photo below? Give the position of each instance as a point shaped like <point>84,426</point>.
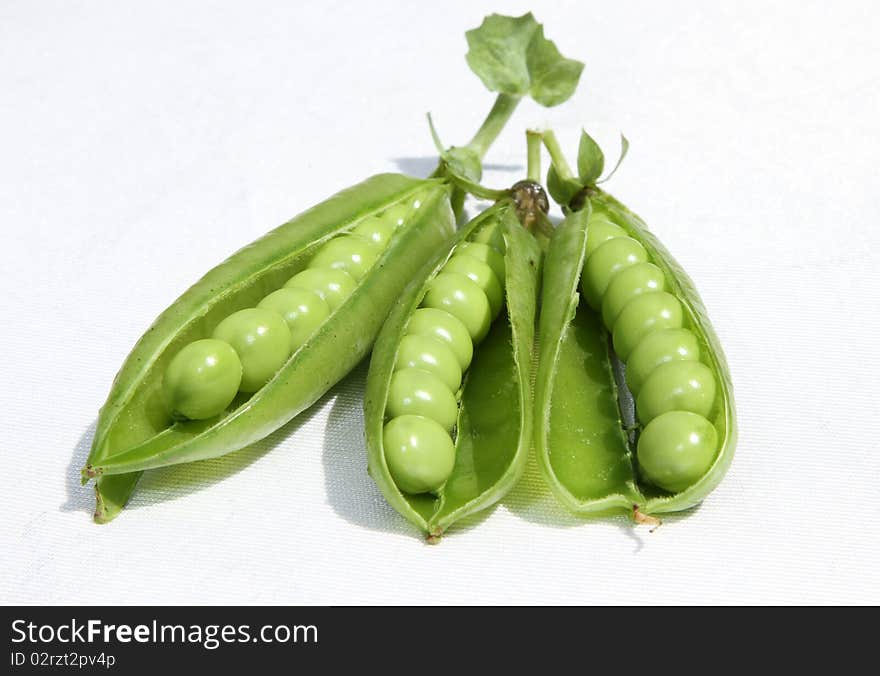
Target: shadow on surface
<point>425,166</point>
<point>171,483</point>
<point>351,492</point>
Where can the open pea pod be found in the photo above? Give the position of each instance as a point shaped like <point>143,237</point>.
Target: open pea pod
<point>448,407</point>
<point>136,430</point>
<point>590,458</point>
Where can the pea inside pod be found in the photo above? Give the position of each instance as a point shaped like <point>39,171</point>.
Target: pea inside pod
<point>478,305</point>
<point>658,328</point>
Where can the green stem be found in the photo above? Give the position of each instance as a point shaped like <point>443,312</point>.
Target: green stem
<point>533,165</point>
<point>501,111</point>
<point>557,158</point>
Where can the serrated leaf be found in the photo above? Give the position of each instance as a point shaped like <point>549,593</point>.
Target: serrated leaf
<point>591,160</point>
<point>497,52</point>
<point>512,56</point>
<point>553,77</point>
<point>562,190</point>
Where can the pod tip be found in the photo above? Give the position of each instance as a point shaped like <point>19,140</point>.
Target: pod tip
<point>646,519</point>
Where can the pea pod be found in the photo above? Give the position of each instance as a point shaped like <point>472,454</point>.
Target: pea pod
<point>611,292</point>
<point>429,479</point>
<point>263,335</point>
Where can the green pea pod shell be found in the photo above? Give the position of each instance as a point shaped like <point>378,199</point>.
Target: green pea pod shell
<point>582,445</point>
<point>134,430</point>
<point>494,425</point>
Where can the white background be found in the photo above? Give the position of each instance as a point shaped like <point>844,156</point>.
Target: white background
<point>141,143</point>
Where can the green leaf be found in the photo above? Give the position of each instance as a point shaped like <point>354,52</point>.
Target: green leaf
<point>562,190</point>
<point>591,161</point>
<point>512,56</point>
<point>624,149</point>
<point>497,52</point>
<point>464,163</point>
<point>554,78</point>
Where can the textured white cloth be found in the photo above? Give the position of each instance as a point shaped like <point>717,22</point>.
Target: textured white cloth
<point>142,143</point>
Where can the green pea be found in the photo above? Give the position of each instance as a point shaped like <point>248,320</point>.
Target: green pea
<point>202,379</point>
<point>677,386</point>
<point>376,229</point>
<point>261,339</point>
<point>676,449</point>
<point>419,453</point>
<point>487,254</point>
<point>599,231</point>
<point>439,324</point>
<point>460,297</point>
<point>332,285</point>
<point>418,392</point>
<point>643,315</point>
<point>626,285</point>
<point>480,274</point>
<point>432,355</point>
<point>492,235</point>
<point>605,262</point>
<point>351,253</point>
<point>658,348</point>
<point>304,311</point>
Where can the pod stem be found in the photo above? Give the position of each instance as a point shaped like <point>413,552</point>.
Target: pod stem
<point>557,157</point>
<point>498,116</point>
<point>646,519</point>
<point>533,145</point>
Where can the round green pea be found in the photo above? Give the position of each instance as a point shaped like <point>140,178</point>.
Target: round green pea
<point>463,299</point>
<point>599,231</point>
<point>418,392</point>
<point>676,449</point>
<point>626,285</point>
<point>480,274</point>
<point>677,386</point>
<point>439,324</point>
<point>487,254</point>
<point>432,355</point>
<point>332,285</point>
<point>605,262</point>
<point>658,348</point>
<point>352,253</point>
<point>493,235</point>
<point>261,339</point>
<point>643,315</point>
<point>376,229</point>
<point>419,453</point>
<point>202,379</point>
<point>304,311</point>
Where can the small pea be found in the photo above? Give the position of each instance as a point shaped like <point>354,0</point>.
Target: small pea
<point>658,348</point>
<point>626,285</point>
<point>376,229</point>
<point>432,355</point>
<point>417,392</point>
<point>202,379</point>
<point>354,254</point>
<point>481,275</point>
<point>676,449</point>
<point>493,235</point>
<point>677,386</point>
<point>419,453</point>
<point>332,285</point>
<point>599,231</point>
<point>304,311</point>
<point>605,262</point>
<point>439,324</point>
<point>261,339</point>
<point>643,315</point>
<point>463,299</point>
<point>487,254</point>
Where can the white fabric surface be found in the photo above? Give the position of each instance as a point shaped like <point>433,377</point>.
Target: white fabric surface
<point>141,143</point>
